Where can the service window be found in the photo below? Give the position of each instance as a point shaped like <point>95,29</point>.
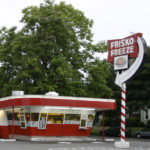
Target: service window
<point>22,120</point>
<point>55,118</point>
<point>27,116</point>
<point>34,119</point>
<point>72,118</point>
<point>83,123</point>
<point>42,121</point>
<point>16,116</point>
<point>34,116</point>
<point>28,119</point>
<point>9,115</point>
<point>90,120</point>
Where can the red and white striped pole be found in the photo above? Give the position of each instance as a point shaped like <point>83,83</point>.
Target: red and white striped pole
<point>123,111</point>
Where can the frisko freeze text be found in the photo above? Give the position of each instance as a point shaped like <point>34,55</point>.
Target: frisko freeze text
<point>126,46</point>
<point>122,47</point>
<point>122,51</point>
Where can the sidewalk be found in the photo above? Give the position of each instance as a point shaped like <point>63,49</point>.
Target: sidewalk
<point>60,139</point>
<point>65,139</point>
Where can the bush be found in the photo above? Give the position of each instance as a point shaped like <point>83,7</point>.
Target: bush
<point>141,124</point>
<point>132,122</point>
<point>148,124</point>
<point>111,122</point>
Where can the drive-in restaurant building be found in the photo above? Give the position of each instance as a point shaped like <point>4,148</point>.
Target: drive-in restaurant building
<point>49,115</point>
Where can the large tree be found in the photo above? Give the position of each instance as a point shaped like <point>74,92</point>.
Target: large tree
<point>138,88</point>
<point>51,52</point>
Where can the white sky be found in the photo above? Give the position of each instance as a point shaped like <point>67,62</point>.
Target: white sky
<point>113,19</point>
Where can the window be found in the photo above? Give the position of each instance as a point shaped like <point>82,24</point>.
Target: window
<point>55,118</point>
<point>9,115</point>
<point>27,116</point>
<point>83,123</point>
<point>22,120</point>
<point>34,116</point>
<point>146,114</point>
<point>42,121</point>
<point>75,117</point>
<point>16,116</point>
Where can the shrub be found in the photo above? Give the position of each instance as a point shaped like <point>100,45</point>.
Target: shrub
<point>148,124</point>
<point>132,122</point>
<point>111,122</point>
<point>141,124</point>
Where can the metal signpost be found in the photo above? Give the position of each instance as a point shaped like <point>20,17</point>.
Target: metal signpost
<point>127,55</point>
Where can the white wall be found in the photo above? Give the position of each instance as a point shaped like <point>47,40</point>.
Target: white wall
<point>3,118</point>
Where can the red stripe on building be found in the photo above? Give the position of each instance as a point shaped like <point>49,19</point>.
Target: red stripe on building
<point>56,102</point>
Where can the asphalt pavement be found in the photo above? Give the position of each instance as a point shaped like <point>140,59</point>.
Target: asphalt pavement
<point>98,144</point>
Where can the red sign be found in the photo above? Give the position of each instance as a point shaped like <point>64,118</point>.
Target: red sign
<point>126,46</point>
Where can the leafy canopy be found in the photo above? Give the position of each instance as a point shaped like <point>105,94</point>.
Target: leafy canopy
<point>52,52</point>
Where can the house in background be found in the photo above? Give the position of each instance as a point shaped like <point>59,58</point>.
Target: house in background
<point>145,115</point>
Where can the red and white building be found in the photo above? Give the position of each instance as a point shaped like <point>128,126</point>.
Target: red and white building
<point>48,115</point>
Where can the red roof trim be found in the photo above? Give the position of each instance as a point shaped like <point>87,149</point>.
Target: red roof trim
<point>57,102</point>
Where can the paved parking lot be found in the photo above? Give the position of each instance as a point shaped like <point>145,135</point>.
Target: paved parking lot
<point>98,145</point>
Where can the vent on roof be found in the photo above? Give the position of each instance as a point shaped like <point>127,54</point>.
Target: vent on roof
<point>17,93</point>
<point>52,94</point>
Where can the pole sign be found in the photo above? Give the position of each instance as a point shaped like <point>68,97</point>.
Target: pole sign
<point>121,51</point>
<point>127,55</point>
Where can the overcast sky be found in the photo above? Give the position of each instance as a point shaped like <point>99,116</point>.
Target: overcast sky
<point>113,19</point>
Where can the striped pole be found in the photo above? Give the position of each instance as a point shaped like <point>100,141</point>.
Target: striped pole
<point>123,111</point>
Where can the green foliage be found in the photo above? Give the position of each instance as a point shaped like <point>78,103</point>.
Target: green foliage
<point>138,91</point>
<point>110,121</point>
<point>52,52</point>
<point>98,74</point>
<point>132,122</point>
<point>141,124</point>
<point>148,124</point>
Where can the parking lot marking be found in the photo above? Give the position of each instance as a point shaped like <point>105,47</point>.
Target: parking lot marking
<point>98,148</point>
<point>64,142</point>
<point>96,142</point>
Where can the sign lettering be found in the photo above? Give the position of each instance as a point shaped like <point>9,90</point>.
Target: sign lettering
<point>126,46</point>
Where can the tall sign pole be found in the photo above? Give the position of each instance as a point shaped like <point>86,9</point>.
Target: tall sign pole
<point>127,55</point>
<point>123,111</point>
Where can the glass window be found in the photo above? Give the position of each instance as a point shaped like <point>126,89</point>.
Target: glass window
<point>43,116</point>
<point>27,116</point>
<point>17,116</point>
<point>23,125</point>
<point>9,115</point>
<point>42,121</point>
<point>75,117</point>
<point>22,118</point>
<point>34,116</point>
<point>146,114</point>
<point>55,118</point>
<point>83,123</point>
